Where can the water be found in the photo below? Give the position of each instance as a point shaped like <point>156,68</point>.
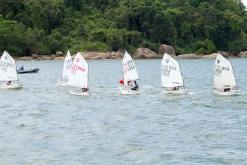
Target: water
<point>44,124</point>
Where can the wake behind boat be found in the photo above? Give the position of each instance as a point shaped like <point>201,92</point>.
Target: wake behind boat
<point>224,79</point>
<point>8,73</point>
<point>171,76</point>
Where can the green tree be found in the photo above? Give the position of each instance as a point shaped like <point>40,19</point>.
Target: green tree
<point>11,36</point>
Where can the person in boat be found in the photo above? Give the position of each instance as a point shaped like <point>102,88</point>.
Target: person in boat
<point>133,85</point>
<point>175,88</point>
<point>22,67</point>
<point>227,89</point>
<point>9,83</point>
<point>84,89</point>
<point>121,82</point>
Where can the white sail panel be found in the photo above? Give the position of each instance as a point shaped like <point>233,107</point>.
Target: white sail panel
<point>129,69</point>
<point>223,74</point>
<point>78,76</point>
<point>170,72</point>
<point>66,66</point>
<point>7,68</point>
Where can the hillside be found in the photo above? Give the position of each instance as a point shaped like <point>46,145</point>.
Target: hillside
<point>46,26</point>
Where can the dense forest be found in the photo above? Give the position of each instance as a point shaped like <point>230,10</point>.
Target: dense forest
<point>47,26</point>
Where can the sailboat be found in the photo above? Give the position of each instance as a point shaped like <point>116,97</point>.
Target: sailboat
<point>66,69</point>
<point>224,79</point>
<point>171,76</point>
<point>8,73</point>
<point>78,76</point>
<point>129,74</point>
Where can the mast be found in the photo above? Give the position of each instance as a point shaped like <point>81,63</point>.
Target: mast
<point>17,74</point>
<point>88,78</point>
<point>181,74</point>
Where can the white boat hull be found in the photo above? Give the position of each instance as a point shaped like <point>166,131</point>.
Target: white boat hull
<point>78,93</point>
<point>124,91</point>
<point>179,91</point>
<point>228,93</point>
<point>12,86</point>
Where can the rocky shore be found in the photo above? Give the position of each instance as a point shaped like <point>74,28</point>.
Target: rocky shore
<point>140,53</point>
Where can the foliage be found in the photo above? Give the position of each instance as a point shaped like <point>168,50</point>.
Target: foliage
<point>11,36</point>
<point>47,26</point>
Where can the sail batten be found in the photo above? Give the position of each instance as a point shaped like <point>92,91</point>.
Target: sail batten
<point>170,73</point>
<point>78,75</point>
<point>223,74</point>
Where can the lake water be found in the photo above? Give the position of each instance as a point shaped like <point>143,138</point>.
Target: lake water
<point>43,124</point>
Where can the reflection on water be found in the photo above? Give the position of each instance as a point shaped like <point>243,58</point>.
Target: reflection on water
<point>44,124</point>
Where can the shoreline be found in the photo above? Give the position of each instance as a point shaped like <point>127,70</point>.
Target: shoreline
<point>106,56</point>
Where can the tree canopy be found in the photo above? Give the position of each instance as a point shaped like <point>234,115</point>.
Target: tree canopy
<point>47,26</point>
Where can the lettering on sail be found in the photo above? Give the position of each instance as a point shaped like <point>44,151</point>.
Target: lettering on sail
<point>68,64</point>
<point>4,65</point>
<point>128,66</point>
<point>219,69</point>
<point>76,68</point>
<point>166,69</point>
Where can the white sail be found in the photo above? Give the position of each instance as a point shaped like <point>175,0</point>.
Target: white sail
<point>129,69</point>
<point>223,74</point>
<point>66,66</point>
<point>170,72</point>
<point>78,75</point>
<point>7,68</point>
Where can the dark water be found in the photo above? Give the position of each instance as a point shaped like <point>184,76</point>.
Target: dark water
<point>44,124</point>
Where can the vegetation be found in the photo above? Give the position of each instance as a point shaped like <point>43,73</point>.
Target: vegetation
<point>45,26</point>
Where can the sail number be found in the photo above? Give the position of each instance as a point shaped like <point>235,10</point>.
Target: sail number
<point>129,65</point>
<point>77,68</point>
<point>219,69</point>
<point>166,69</point>
<point>68,64</point>
<point>5,65</point>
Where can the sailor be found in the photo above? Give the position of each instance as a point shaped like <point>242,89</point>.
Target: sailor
<point>84,89</point>
<point>9,83</point>
<point>22,67</point>
<point>175,88</point>
<point>227,89</point>
<point>133,85</point>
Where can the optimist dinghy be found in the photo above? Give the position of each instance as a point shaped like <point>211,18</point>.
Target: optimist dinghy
<point>66,69</point>
<point>171,76</point>
<point>8,73</point>
<point>224,79</point>
<point>129,74</point>
<point>78,76</point>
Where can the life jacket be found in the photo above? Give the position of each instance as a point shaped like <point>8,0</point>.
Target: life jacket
<point>121,81</point>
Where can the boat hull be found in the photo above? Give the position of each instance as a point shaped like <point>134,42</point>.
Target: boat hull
<point>78,93</point>
<point>35,70</point>
<point>12,86</point>
<point>124,91</point>
<point>228,93</point>
<point>176,92</point>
